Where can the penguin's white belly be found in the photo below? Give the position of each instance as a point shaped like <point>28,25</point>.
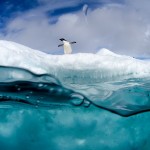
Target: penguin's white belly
<point>67,49</point>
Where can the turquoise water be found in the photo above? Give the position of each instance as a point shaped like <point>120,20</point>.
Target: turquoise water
<point>43,112</point>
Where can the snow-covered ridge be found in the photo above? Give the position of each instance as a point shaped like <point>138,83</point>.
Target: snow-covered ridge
<point>107,52</point>
<point>101,65</point>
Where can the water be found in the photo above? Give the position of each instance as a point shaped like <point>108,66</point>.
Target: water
<point>43,112</point>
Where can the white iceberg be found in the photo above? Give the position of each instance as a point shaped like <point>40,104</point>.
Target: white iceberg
<point>103,65</point>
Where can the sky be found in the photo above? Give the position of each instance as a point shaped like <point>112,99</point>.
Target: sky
<point>123,26</point>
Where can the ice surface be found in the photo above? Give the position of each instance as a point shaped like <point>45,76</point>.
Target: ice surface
<point>104,64</point>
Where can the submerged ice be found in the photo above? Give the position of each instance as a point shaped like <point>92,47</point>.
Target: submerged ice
<point>78,101</point>
<point>24,87</point>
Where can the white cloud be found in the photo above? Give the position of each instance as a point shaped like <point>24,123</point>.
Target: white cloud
<point>122,28</point>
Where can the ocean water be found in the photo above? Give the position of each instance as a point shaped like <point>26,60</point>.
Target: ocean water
<point>41,111</point>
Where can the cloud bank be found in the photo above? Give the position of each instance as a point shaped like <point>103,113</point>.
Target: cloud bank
<point>121,27</point>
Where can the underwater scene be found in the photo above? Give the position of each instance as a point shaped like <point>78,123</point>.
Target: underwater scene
<point>38,112</point>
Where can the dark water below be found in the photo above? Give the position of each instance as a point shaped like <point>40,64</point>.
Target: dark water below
<point>42,112</point>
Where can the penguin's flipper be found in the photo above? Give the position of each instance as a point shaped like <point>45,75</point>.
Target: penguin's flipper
<point>60,45</point>
<point>73,42</point>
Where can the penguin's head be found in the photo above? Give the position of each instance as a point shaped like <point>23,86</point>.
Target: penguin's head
<point>62,39</point>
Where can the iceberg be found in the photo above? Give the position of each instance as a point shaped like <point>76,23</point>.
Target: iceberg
<point>104,64</point>
<point>76,101</point>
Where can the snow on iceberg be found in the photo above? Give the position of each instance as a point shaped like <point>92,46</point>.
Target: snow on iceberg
<point>104,64</point>
<point>104,51</point>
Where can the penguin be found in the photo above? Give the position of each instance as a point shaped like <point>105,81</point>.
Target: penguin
<point>66,45</point>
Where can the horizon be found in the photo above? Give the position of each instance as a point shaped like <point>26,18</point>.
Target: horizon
<point>101,51</point>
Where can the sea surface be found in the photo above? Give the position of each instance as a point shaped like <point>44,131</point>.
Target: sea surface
<point>42,112</point>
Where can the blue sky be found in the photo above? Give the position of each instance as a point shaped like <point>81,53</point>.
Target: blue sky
<point>122,26</point>
<point>9,9</point>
